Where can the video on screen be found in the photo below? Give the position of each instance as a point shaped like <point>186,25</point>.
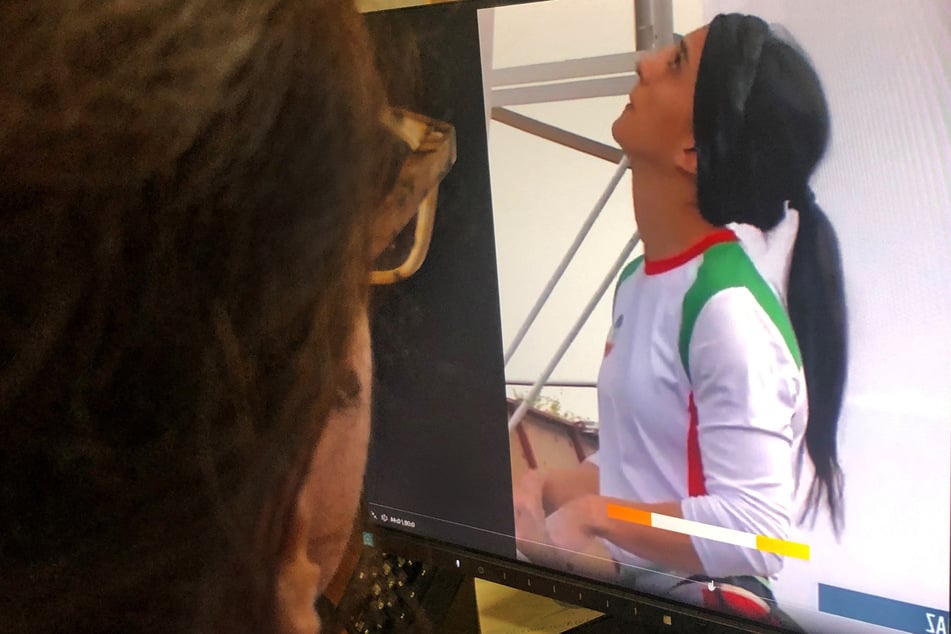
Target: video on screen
<point>661,433</point>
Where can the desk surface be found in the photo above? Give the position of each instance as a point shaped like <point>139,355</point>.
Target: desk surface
<point>504,610</point>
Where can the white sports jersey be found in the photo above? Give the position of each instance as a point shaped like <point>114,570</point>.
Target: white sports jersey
<point>702,399</point>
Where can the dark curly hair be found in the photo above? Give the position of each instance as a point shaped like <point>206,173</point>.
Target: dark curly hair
<point>186,193</point>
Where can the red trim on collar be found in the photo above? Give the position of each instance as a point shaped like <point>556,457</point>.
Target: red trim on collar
<point>653,267</point>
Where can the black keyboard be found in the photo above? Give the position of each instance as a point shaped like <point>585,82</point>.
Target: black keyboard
<point>388,593</point>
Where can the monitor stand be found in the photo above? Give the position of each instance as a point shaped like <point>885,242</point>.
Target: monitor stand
<point>606,624</point>
<point>462,616</point>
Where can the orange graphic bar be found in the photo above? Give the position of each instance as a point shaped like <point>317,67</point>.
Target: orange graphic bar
<point>627,514</point>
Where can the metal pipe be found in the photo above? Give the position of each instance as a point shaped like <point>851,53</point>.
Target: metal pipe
<point>527,383</point>
<point>663,23</point>
<point>643,25</point>
<point>653,24</point>
<point>563,265</point>
<point>615,64</point>
<point>611,86</point>
<point>558,135</point>
<point>563,348</point>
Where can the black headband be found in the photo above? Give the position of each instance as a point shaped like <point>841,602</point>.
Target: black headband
<point>728,68</point>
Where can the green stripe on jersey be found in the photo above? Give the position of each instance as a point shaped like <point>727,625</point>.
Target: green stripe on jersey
<point>629,269</point>
<point>627,272</point>
<point>724,266</point>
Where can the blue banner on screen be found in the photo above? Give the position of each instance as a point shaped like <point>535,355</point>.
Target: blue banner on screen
<point>868,608</point>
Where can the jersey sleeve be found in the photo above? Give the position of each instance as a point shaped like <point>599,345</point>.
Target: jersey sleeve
<point>746,388</point>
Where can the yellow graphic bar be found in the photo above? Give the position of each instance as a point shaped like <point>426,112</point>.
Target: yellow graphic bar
<point>782,547</point>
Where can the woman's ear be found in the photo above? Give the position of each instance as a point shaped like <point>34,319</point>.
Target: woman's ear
<point>299,577</point>
<point>686,159</point>
<point>328,499</point>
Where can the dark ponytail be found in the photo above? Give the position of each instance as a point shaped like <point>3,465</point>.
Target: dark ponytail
<point>761,125</point>
<point>816,304</point>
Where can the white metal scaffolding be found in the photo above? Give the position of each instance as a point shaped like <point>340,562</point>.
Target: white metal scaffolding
<point>602,76</point>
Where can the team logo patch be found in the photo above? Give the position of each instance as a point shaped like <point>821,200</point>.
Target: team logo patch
<point>609,344</point>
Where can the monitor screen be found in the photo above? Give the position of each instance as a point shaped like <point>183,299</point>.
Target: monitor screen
<point>488,358</point>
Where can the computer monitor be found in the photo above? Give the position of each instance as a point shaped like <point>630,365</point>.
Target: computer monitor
<point>510,77</point>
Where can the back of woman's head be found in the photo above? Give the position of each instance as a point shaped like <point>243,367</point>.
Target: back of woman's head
<point>185,196</point>
<point>761,124</point>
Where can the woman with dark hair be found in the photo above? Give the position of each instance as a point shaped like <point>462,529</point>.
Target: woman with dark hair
<point>186,199</point>
<point>715,378</point>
